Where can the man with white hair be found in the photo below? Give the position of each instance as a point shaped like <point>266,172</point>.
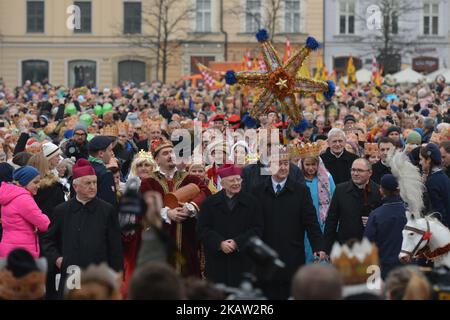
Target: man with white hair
<point>337,160</point>
<point>84,230</point>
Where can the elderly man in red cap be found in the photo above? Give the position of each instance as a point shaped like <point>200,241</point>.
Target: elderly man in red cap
<point>179,222</point>
<point>226,222</point>
<point>84,230</point>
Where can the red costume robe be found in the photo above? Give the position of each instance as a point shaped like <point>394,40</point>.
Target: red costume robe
<point>184,233</point>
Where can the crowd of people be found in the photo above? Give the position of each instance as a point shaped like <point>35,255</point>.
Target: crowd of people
<point>68,156</point>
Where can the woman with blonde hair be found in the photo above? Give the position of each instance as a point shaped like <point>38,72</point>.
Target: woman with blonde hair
<point>407,283</point>
<point>142,166</point>
<point>51,191</point>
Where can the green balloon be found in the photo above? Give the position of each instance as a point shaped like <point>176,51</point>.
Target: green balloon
<point>98,110</point>
<point>89,137</point>
<point>107,107</point>
<point>71,109</point>
<point>87,119</point>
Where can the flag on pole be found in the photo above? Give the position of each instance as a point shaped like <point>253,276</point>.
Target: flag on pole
<point>319,68</point>
<point>379,78</point>
<point>304,72</point>
<point>351,71</point>
<point>325,74</point>
<point>374,69</point>
<point>334,76</point>
<point>287,51</point>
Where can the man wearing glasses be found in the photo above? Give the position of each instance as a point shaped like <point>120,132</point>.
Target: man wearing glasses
<point>351,204</point>
<point>77,147</point>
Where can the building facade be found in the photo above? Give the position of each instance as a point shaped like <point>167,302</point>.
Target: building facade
<point>104,42</point>
<point>421,27</point>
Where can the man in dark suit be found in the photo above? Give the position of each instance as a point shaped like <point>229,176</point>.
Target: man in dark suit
<point>351,204</point>
<point>381,168</point>
<point>288,212</point>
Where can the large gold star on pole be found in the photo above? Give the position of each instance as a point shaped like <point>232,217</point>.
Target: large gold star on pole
<point>280,82</point>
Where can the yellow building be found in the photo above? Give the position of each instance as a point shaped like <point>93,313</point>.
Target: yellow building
<point>102,42</point>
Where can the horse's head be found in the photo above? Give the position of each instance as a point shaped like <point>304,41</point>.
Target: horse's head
<point>416,235</point>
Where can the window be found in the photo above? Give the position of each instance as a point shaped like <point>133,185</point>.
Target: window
<point>35,71</point>
<point>394,23</point>
<point>35,16</point>
<point>292,16</point>
<point>203,16</point>
<point>132,17</point>
<point>430,18</point>
<point>252,15</point>
<point>82,73</point>
<point>347,17</point>
<point>131,70</point>
<point>85,17</point>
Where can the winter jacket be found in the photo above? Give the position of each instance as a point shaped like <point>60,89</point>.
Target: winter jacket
<point>20,218</point>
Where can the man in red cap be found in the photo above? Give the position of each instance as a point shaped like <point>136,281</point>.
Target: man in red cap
<point>179,222</point>
<point>218,122</point>
<point>226,222</point>
<point>84,230</point>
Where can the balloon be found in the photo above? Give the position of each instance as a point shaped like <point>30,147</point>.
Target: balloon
<point>89,137</point>
<point>71,109</point>
<point>98,110</point>
<point>107,107</point>
<point>87,119</point>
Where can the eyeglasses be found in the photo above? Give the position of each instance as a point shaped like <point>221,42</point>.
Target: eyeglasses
<point>122,136</point>
<point>80,134</point>
<point>359,170</point>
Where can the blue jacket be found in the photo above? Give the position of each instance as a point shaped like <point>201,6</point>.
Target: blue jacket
<point>385,228</point>
<point>438,188</point>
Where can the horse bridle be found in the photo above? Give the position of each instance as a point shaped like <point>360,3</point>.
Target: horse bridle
<point>413,253</point>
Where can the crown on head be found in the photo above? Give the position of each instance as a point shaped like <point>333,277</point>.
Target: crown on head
<point>111,131</point>
<point>353,262</point>
<point>370,148</point>
<point>305,150</point>
<point>144,155</point>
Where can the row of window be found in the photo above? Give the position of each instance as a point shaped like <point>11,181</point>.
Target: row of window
<point>347,14</point>
<point>133,16</point>
<point>83,72</point>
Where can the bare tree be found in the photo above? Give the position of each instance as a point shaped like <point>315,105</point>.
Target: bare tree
<point>395,36</point>
<point>269,15</point>
<point>167,25</point>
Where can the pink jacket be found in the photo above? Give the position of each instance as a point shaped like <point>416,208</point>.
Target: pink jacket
<point>20,218</point>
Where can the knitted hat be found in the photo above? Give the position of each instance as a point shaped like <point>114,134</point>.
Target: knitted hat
<point>388,182</point>
<point>50,150</point>
<point>82,168</point>
<point>393,129</point>
<point>414,138</point>
<point>349,117</point>
<point>80,126</point>
<point>6,171</point>
<point>25,174</point>
<point>100,143</point>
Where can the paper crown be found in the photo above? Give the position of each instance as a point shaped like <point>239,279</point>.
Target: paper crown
<point>158,145</point>
<point>371,148</point>
<point>111,131</point>
<point>353,262</point>
<point>307,150</point>
<point>144,155</point>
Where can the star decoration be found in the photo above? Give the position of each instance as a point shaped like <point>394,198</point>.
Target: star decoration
<point>281,84</point>
<point>281,81</point>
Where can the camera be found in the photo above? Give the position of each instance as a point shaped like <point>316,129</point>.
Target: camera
<point>265,261</point>
<point>132,206</point>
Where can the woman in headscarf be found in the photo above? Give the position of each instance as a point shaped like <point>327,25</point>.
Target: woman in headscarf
<point>320,184</point>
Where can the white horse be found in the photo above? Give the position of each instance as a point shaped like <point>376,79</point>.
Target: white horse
<point>425,237</point>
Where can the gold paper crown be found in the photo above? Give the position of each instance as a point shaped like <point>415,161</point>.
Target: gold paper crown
<point>353,263</point>
<point>144,155</point>
<point>370,148</point>
<point>111,131</point>
<point>123,125</point>
<point>307,150</point>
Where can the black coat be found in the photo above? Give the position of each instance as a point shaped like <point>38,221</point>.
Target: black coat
<point>252,177</point>
<point>340,167</point>
<point>378,171</point>
<point>83,235</point>
<point>217,223</point>
<point>286,218</point>
<point>125,155</point>
<point>106,187</point>
<point>346,209</point>
<point>49,196</point>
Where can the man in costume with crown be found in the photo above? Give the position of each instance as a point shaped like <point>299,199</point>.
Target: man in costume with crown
<point>179,222</point>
